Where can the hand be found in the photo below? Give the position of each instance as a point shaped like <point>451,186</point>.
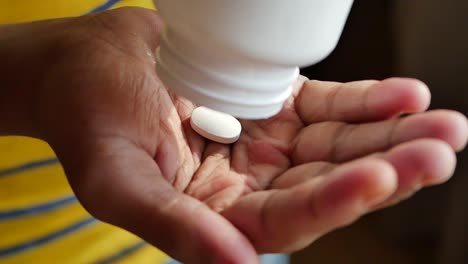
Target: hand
<point>336,151</point>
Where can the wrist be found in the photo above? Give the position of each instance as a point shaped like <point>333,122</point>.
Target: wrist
<point>25,52</point>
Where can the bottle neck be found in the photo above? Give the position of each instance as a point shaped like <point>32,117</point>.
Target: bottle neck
<point>240,87</point>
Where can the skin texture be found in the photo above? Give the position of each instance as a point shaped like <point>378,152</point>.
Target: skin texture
<point>336,152</point>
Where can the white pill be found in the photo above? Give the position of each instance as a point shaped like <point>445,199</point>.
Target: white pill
<point>215,126</point>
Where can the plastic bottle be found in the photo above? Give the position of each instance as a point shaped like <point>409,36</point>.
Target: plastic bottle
<point>242,57</point>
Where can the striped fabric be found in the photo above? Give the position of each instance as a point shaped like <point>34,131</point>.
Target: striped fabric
<point>41,220</point>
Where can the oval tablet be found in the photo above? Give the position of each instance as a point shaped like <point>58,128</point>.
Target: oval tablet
<point>215,126</point>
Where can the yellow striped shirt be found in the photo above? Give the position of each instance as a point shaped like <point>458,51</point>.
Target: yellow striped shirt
<point>41,221</point>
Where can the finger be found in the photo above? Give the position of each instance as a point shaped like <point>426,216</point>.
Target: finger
<point>419,164</point>
<point>338,142</point>
<point>288,220</point>
<point>360,101</point>
<point>302,173</point>
<point>123,186</point>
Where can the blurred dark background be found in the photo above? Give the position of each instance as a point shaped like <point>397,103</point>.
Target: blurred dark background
<point>426,39</point>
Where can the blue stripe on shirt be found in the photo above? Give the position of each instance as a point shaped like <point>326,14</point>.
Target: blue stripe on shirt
<point>28,166</point>
<point>122,254</point>
<point>108,4</point>
<point>9,251</point>
<point>37,209</point>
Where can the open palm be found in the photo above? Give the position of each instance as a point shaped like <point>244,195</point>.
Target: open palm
<point>335,152</point>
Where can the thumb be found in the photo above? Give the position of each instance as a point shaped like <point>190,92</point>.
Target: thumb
<point>124,187</point>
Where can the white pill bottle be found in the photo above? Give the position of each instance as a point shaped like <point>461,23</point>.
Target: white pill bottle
<point>242,57</point>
